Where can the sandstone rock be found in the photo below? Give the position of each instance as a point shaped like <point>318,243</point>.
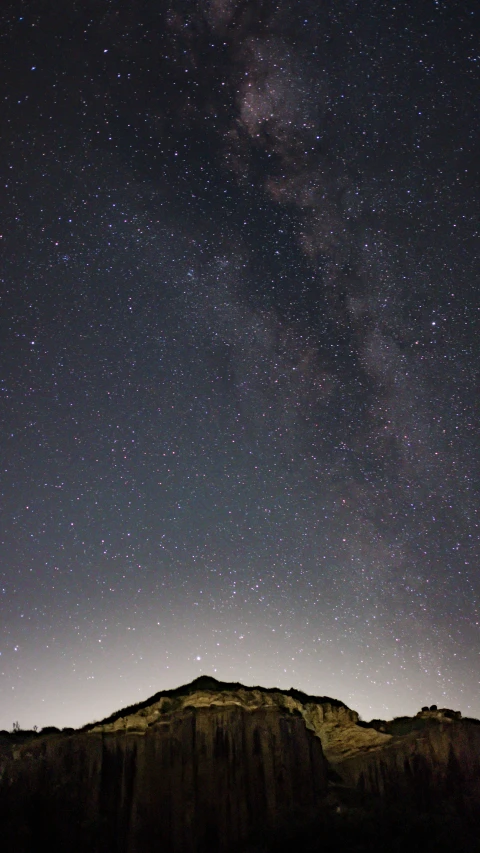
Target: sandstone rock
<point>439,762</point>
<point>330,720</point>
<point>210,766</point>
<point>203,778</point>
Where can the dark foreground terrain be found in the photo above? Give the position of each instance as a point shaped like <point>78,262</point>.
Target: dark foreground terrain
<point>221,767</point>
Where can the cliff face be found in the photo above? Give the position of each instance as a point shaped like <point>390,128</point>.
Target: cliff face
<point>201,779</point>
<point>440,762</point>
<point>210,766</point>
<point>331,721</point>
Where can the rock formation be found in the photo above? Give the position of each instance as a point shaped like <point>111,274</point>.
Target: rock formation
<point>218,767</point>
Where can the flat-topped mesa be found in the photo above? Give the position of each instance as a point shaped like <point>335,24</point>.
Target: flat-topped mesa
<point>331,720</point>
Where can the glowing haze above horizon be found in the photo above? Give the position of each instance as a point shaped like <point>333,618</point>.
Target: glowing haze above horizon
<point>239,353</point>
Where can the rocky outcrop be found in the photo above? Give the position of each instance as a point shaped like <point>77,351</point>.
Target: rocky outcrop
<point>438,762</point>
<point>332,722</point>
<point>202,778</point>
<point>211,766</point>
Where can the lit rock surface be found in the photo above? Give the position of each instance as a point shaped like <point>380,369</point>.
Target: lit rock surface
<point>330,720</point>
<point>440,762</point>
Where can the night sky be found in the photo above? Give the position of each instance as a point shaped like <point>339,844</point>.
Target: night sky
<point>240,350</point>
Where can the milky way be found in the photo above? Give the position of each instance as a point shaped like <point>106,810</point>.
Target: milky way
<point>239,364</point>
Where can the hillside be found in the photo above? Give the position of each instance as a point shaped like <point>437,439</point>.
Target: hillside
<point>224,767</point>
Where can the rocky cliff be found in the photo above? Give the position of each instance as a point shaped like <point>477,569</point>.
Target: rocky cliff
<point>197,777</point>
<point>215,766</point>
<point>330,720</point>
<point>439,762</point>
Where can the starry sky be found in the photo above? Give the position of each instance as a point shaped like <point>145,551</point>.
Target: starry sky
<point>239,352</point>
